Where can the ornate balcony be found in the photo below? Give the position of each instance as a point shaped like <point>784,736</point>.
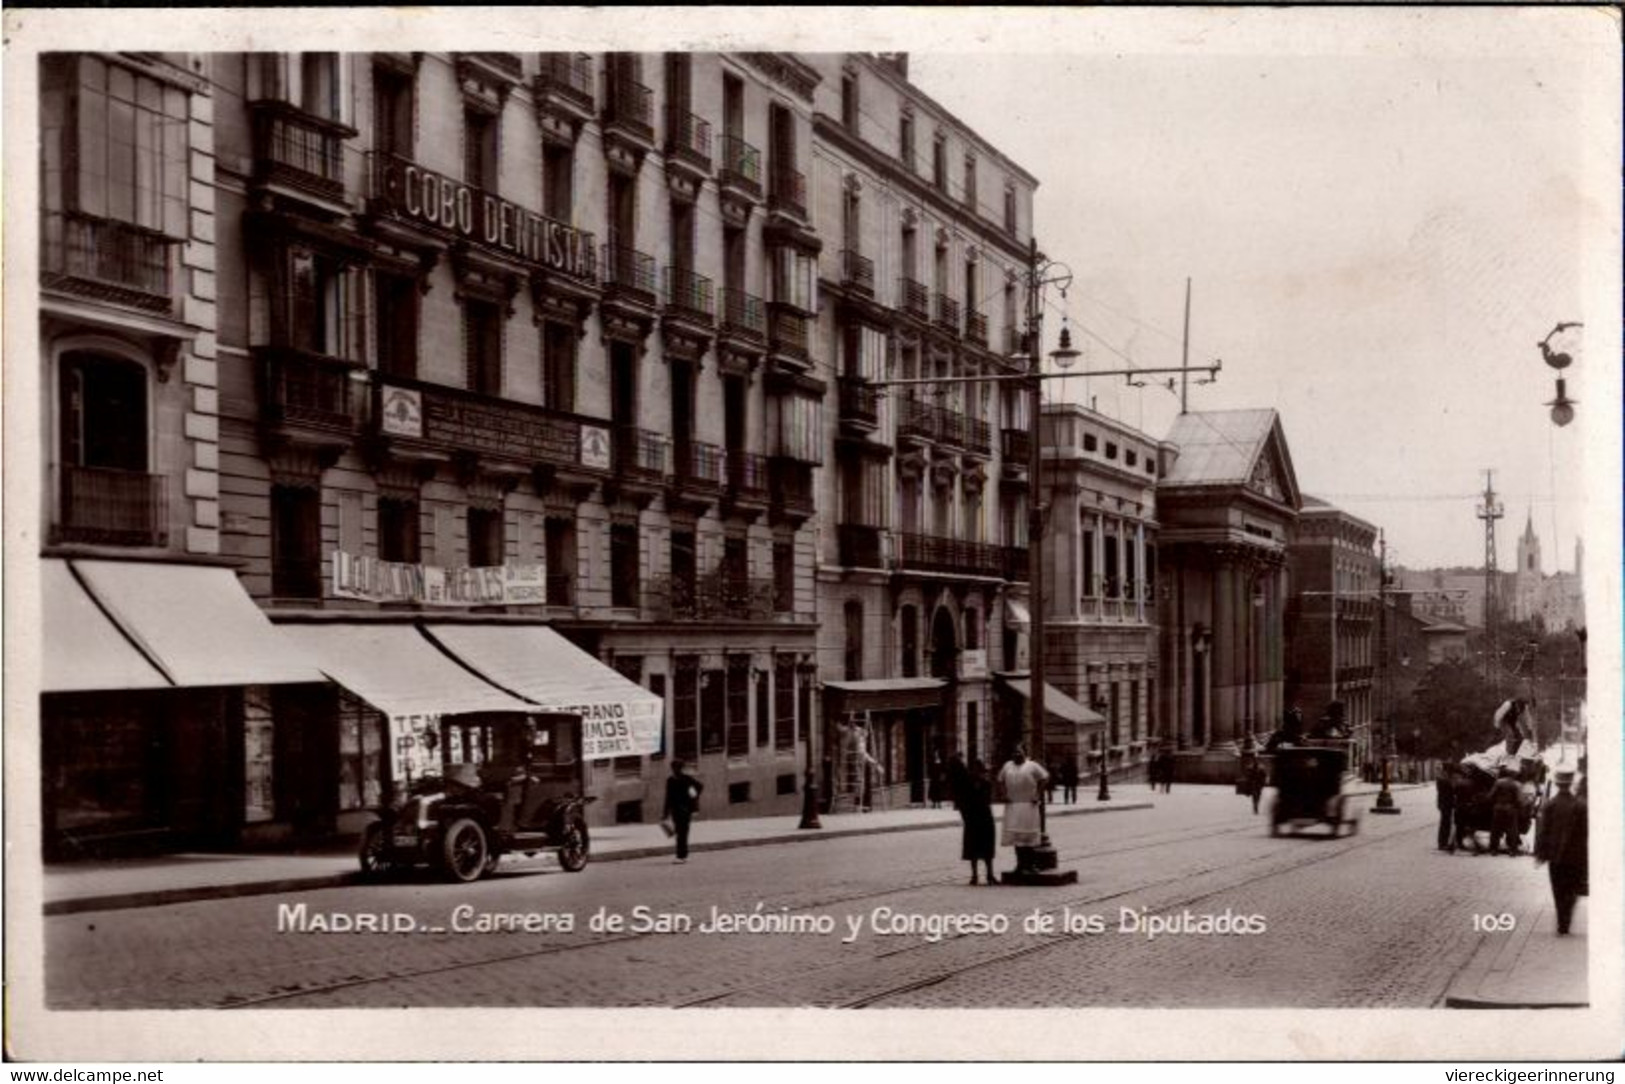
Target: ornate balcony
<point>741,167</point>
<point>688,140</point>
<point>629,275</point>
<point>976,327</point>
<point>931,553</point>
<point>629,107</point>
<point>860,403</point>
<point>743,315</point>
<point>747,479</point>
<point>925,421</point>
<point>107,260</point>
<point>787,192</point>
<point>690,295</point>
<point>947,313</point>
<point>857,272</point>
<point>309,399</point>
<point>566,77</point>
<point>861,546</point>
<point>714,596</point>
<point>106,506</point>
<point>791,488</point>
<point>787,332</point>
<point>299,150</point>
<point>698,470</point>
<point>914,299</point>
<point>640,455</point>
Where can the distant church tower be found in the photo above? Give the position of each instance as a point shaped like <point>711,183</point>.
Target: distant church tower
<point>1526,591</point>
<point>1529,550</point>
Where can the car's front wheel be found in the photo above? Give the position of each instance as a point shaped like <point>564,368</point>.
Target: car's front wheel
<point>463,850</point>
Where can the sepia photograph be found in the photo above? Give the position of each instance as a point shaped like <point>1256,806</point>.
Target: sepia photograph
<point>1099,529</point>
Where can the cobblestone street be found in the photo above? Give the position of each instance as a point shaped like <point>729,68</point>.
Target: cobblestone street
<point>1376,920</point>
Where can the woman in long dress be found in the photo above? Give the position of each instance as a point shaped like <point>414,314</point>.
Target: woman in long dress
<point>1024,781</point>
<point>976,810</point>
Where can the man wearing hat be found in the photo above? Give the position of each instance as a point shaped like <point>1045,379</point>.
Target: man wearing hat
<point>1561,847</point>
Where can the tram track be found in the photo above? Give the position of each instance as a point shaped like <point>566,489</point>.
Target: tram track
<point>1150,841</point>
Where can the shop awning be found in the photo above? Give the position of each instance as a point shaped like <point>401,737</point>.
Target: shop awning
<point>1056,702</point>
<point>81,649</point>
<point>195,622</point>
<point>398,671</point>
<point>619,716</point>
<point>883,694</point>
<point>1016,615</point>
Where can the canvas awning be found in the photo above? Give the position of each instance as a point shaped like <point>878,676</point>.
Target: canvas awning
<point>883,694</point>
<point>193,624</point>
<point>81,650</point>
<point>619,717</point>
<point>398,671</point>
<point>1056,703</point>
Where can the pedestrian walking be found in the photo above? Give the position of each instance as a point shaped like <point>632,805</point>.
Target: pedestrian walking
<point>1257,776</point>
<point>936,781</point>
<point>976,811</point>
<point>1024,783</point>
<point>1445,786</point>
<point>1165,769</point>
<point>1506,806</point>
<point>682,801</point>
<point>1069,780</point>
<point>1561,846</point>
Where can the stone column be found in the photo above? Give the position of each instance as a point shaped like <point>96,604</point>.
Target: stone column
<point>1227,655</point>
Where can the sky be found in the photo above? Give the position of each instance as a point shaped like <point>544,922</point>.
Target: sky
<point>1381,215</point>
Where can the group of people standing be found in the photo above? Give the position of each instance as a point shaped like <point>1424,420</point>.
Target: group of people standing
<point>1025,783</point>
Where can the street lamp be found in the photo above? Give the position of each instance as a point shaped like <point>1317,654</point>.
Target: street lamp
<point>1559,357</point>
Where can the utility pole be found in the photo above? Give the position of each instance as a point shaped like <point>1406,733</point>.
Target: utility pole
<point>1490,510</point>
<point>1385,798</point>
<point>1185,353</point>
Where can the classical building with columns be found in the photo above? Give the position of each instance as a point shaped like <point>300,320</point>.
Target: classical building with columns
<point>1101,613</point>
<point>1227,506</point>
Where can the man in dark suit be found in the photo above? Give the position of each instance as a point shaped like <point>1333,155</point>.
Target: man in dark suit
<point>1561,847</point>
<point>682,799</point>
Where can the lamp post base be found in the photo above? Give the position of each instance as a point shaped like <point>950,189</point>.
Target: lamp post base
<point>1042,871</point>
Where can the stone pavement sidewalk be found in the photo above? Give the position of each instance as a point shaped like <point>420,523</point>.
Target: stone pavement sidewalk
<point>178,878</point>
<point>1529,968</point>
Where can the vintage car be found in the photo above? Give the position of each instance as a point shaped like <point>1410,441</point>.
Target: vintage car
<point>524,796</point>
<point>1309,790</point>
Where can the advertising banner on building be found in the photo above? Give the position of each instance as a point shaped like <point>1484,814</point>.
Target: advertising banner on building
<point>368,579</point>
<point>618,729</point>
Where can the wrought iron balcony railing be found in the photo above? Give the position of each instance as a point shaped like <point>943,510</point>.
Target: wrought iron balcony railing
<point>689,137</point>
<point>308,390</point>
<point>947,312</point>
<point>788,332</point>
<point>857,272</point>
<point>859,401</point>
<point>103,258</point>
<point>459,420</point>
<point>787,191</point>
<point>690,294</point>
<point>976,327</point>
<point>744,314</point>
<point>106,506</point>
<point>741,166</point>
<point>698,463</point>
<point>629,105</point>
<point>747,475</point>
<point>791,485</point>
<point>913,298</point>
<point>719,594</point>
<point>568,75</point>
<point>299,149</point>
<point>630,272</point>
<point>932,553</point>
<point>861,546</point>
<point>640,454</point>
<point>927,421</point>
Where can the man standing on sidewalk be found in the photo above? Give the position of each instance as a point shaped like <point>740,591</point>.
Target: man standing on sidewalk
<point>1561,846</point>
<point>682,799</point>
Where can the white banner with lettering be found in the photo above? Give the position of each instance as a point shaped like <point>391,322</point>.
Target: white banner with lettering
<point>371,580</point>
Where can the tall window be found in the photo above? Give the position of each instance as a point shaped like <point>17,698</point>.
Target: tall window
<point>396,323</point>
<point>559,366</point>
<point>713,711</point>
<point>317,309</point>
<point>482,347</point>
<point>854,640</point>
<point>485,541</point>
<point>1111,561</point>
<point>319,84</point>
<point>106,493</point>
<point>682,235</point>
<point>784,702</point>
<point>113,144</point>
<point>905,141</point>
<point>738,677</point>
<point>560,540</point>
<point>970,180</point>
<point>908,620</point>
<point>392,112</point>
<point>399,531</point>
<point>623,564</point>
<point>939,162</point>
<point>296,557</point>
<point>784,576</point>
<point>685,708</point>
<point>684,574</point>
<point>479,150</point>
<point>973,629</point>
<point>1010,209</point>
<point>558,182</point>
<point>1089,589</point>
<point>849,100</point>
<point>736,572</point>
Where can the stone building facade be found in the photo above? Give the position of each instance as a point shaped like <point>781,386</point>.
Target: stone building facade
<point>1331,617</point>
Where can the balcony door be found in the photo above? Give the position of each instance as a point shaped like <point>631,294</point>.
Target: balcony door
<point>682,413</point>
<point>733,413</point>
<point>623,384</point>
<point>106,493</point>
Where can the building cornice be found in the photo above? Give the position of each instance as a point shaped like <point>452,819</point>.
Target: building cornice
<point>786,70</point>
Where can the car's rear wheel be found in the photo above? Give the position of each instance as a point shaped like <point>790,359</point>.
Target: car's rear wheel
<point>374,855</point>
<point>573,849</point>
<point>463,850</point>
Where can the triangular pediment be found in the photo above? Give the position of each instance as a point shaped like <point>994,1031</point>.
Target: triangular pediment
<point>1272,475</point>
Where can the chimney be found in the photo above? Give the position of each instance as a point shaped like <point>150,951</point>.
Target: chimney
<point>898,61</point>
